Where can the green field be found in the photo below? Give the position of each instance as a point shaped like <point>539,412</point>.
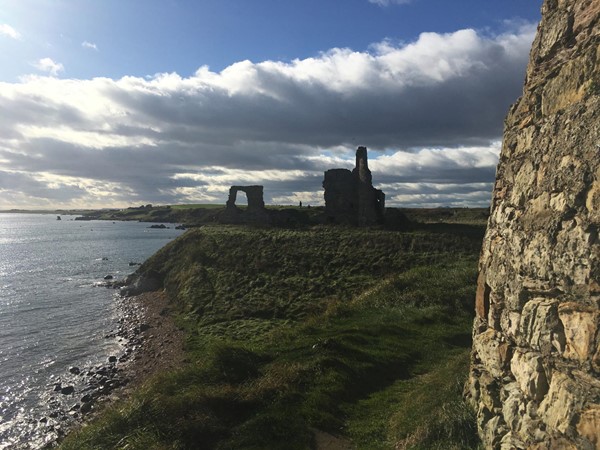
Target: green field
<point>364,334</point>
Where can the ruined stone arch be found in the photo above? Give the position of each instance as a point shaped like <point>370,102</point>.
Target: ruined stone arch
<point>253,193</point>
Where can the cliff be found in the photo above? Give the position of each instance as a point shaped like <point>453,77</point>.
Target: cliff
<point>535,372</point>
<point>320,337</point>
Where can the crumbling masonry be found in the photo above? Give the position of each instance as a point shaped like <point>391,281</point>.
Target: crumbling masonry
<point>253,193</point>
<point>350,196</point>
<point>255,212</point>
<point>535,372</point>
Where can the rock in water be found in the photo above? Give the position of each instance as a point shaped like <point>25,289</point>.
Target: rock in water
<point>67,390</point>
<point>535,374</point>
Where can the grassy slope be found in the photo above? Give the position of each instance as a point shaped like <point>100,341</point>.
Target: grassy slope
<point>359,333</point>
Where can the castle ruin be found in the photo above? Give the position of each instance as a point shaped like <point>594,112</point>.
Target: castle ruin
<point>253,193</point>
<point>255,212</point>
<point>350,196</point>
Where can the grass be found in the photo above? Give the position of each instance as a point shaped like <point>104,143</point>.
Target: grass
<point>197,206</point>
<point>473,216</point>
<point>433,415</point>
<point>364,334</point>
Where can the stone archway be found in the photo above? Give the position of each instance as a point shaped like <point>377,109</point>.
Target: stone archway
<point>253,193</point>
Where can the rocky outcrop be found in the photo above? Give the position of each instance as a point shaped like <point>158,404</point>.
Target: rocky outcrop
<point>139,283</point>
<point>535,373</point>
<point>350,196</point>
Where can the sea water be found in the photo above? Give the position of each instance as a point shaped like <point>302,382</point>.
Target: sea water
<point>54,311</point>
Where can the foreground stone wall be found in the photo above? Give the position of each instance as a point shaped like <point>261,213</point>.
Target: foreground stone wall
<point>535,374</point>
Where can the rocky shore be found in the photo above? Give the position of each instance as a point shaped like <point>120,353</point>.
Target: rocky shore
<point>148,343</point>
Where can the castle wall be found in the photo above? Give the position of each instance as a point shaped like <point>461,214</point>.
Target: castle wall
<point>535,374</point>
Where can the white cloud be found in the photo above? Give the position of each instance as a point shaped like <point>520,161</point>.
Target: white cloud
<point>48,65</point>
<point>430,111</point>
<point>409,164</point>
<point>225,177</point>
<point>389,2</point>
<point>436,196</point>
<point>90,45</point>
<point>9,31</point>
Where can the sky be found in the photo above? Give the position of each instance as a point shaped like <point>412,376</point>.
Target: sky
<point>116,103</point>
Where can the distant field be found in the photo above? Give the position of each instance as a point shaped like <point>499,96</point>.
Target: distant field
<point>447,215</point>
<point>197,205</point>
<point>361,333</point>
<point>200,214</point>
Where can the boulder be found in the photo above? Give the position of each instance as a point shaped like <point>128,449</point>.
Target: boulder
<point>67,390</point>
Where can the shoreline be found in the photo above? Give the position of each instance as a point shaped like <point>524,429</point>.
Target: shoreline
<point>151,343</point>
<point>157,340</point>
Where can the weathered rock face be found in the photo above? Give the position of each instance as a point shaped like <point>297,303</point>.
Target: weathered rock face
<point>350,196</point>
<point>535,374</point>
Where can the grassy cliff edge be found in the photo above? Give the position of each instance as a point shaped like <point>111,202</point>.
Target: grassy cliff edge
<point>363,334</point>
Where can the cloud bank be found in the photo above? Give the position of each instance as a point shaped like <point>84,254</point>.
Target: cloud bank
<point>430,111</point>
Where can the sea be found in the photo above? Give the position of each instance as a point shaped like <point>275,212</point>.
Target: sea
<point>55,309</point>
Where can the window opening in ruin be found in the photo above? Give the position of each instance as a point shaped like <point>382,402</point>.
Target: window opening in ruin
<point>242,200</point>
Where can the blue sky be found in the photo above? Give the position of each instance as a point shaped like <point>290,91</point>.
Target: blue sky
<point>111,103</point>
<point>144,37</point>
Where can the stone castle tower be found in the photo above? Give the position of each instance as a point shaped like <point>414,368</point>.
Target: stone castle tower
<point>350,196</point>
<point>535,373</point>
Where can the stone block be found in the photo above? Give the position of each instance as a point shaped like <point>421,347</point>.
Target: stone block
<point>492,433</point>
<point>511,442</point>
<point>513,405</point>
<point>489,393</point>
<point>588,426</point>
<point>528,370</point>
<point>562,403</point>
<point>539,327</point>
<point>492,352</point>
<point>580,324</point>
